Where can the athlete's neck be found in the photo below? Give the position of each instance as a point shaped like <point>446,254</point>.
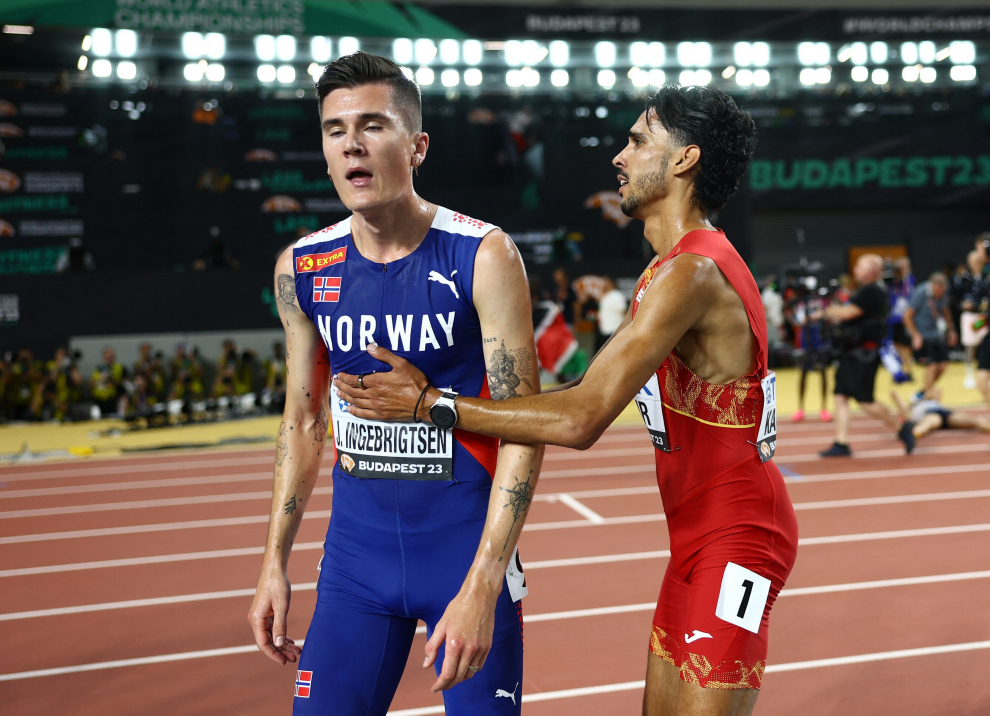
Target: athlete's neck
<point>667,222</point>
<point>387,233</point>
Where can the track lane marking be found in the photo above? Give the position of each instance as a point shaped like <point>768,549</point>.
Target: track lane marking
<point>583,510</point>
<point>135,485</point>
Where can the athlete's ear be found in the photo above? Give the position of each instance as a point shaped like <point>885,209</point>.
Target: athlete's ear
<point>421,146</point>
<point>685,159</point>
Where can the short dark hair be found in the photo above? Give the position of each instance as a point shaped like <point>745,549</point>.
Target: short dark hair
<point>364,69</point>
<point>726,135</point>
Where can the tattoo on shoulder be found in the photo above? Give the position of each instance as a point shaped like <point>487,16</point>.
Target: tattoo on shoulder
<point>281,445</point>
<point>290,506</point>
<point>287,290</point>
<point>320,428</point>
<point>504,368</point>
<point>520,497</point>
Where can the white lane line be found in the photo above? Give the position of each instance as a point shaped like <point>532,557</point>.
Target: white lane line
<point>135,485</point>
<point>142,504</point>
<point>586,512</point>
<point>6,476</point>
<point>892,452</point>
<point>895,534</point>
<point>879,656</point>
<point>893,499</point>
<point>898,472</point>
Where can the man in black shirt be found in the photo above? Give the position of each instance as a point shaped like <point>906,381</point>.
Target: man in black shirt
<point>861,325</point>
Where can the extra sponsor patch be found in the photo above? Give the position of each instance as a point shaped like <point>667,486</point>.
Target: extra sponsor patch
<point>326,289</point>
<point>304,683</point>
<point>315,262</point>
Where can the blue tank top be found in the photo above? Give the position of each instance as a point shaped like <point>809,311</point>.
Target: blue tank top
<point>421,308</point>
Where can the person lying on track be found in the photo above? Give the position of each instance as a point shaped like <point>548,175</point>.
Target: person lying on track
<point>928,414</point>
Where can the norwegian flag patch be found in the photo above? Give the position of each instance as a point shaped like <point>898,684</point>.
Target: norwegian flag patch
<point>326,289</point>
<point>304,682</point>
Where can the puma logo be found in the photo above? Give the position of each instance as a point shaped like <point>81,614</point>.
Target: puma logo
<point>697,635</point>
<point>506,694</point>
<point>439,278</point>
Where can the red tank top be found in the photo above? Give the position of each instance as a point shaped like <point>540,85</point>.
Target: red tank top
<point>711,429</point>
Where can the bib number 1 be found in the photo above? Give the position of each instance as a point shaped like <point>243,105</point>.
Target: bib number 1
<point>742,598</point>
<point>766,440</point>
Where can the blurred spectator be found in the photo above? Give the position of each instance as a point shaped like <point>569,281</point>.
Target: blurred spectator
<point>106,384</point>
<point>565,297</point>
<point>556,347</point>
<point>983,350</point>
<point>611,311</point>
<point>187,375</point>
<point>64,385</point>
<point>929,323</point>
<point>900,290</point>
<point>816,350</point>
<point>970,291</point>
<point>773,308</point>
<point>276,373</point>
<point>75,259</point>
<point>23,382</point>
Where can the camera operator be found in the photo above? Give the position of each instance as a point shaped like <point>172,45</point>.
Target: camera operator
<point>860,327</point>
<point>929,323</point>
<point>983,351</point>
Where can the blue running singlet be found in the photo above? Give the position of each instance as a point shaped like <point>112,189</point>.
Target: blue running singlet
<point>409,500</point>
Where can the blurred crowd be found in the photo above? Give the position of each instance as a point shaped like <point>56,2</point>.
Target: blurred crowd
<point>157,388</point>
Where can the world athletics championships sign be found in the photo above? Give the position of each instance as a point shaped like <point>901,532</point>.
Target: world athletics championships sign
<point>244,17</point>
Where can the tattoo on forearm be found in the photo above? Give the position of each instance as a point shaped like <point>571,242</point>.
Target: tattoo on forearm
<point>281,445</point>
<point>290,506</point>
<point>320,428</point>
<point>520,497</point>
<point>286,285</point>
<point>503,372</point>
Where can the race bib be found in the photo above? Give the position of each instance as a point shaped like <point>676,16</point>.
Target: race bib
<point>651,408</point>
<point>766,441</point>
<point>742,597</point>
<point>514,577</point>
<point>391,451</point>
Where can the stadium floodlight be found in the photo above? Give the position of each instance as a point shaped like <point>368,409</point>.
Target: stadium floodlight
<point>315,70</point>
<point>857,53</point>
<point>473,77</point>
<point>87,43</point>
<point>639,77</point>
<point>215,72</point>
<point>880,76</point>
<point>513,55</point>
<point>285,48</point>
<point>102,42</point>
<point>407,73</point>
<point>761,54</point>
<point>402,50</point>
<point>560,53</point>
<point>698,78</point>
<point>742,52</point>
<point>606,79</point>
<point>192,45</point>
<point>264,47</point>
<point>126,43</point>
<point>126,70</point>
<point>878,52</point>
<point>266,73</point>
<point>807,76</point>
<point>911,73</point>
<point>928,75</point>
<point>962,52</point>
<point>909,53</point>
<point>694,54</point>
<point>102,68</point>
<point>193,72</point>
<point>744,78</point>
<point>348,45</point>
<point>560,78</point>
<point>859,74</point>
<point>450,78</point>
<point>320,49</point>
<point>639,54</point>
<point>286,74</point>
<point>926,52</point>
<point>450,52</point>
<point>728,72</point>
<point>425,51</point>
<point>817,53</point>
<point>472,51</point>
<point>214,45</point>
<point>823,75</point>
<point>533,52</point>
<point>605,55</point>
<point>530,77</point>
<point>83,63</point>
<point>513,78</point>
<point>761,78</point>
<point>424,76</point>
<point>962,73</point>
<point>657,78</point>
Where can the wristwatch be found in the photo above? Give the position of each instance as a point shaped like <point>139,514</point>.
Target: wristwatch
<point>443,414</point>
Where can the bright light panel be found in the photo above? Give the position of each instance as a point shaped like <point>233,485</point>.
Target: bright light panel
<point>320,49</point>
<point>286,74</point>
<point>83,62</point>
<point>657,78</point>
<point>823,75</point>
<point>962,52</point>
<point>266,73</point>
<point>560,53</point>
<point>192,45</point>
<point>694,54</point>
<point>425,51</point>
<point>911,73</point>
<point>742,52</point>
<point>472,50</point>
<point>264,47</point>
<point>530,77</point>
<point>761,54</point>
<point>818,53</point>
<point>639,54</point>
<point>126,42</point>
<point>402,50</point>
<point>559,78</point>
<point>126,70</point>
<point>605,55</point>
<point>102,42</point>
<point>450,78</point>
<point>513,54</point>
<point>928,75</point>
<point>425,76</point>
<point>744,78</point>
<point>102,68</point>
<point>215,72</point>
<point>606,79</point>
<point>926,51</point>
<point>285,48</point>
<point>194,72</point>
<point>348,45</point>
<point>639,78</point>
<point>963,73</point>
<point>513,78</point>
<point>450,53</point>
<point>878,52</point>
<point>533,52</point>
<point>214,45</point>
<point>761,78</point>
<point>697,77</point>
<point>807,76</point>
<point>880,76</point>
<point>860,74</point>
<point>728,72</point>
<point>87,43</point>
<point>909,53</point>
<point>315,71</point>
<point>858,53</point>
<point>473,77</point>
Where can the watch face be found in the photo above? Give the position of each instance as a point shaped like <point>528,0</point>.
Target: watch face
<point>442,416</point>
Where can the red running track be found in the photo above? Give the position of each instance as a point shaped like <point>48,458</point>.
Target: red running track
<point>125,583</point>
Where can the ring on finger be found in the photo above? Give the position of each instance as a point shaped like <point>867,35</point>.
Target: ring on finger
<point>361,381</point>
<point>474,669</point>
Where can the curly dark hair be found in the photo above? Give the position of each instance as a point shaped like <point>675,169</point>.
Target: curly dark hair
<point>360,69</point>
<point>725,134</point>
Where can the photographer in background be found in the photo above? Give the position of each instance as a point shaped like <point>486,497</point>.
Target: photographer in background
<point>983,351</point>
<point>860,328</point>
<point>929,323</point>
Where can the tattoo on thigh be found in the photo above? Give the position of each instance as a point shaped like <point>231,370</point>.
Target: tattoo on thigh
<point>281,445</point>
<point>320,428</point>
<point>287,291</point>
<point>503,371</point>
<point>520,497</point>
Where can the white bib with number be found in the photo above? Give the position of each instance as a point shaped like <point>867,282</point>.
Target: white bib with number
<point>742,597</point>
<point>766,440</point>
<point>650,406</point>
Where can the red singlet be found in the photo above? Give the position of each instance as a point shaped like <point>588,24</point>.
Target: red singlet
<point>733,532</point>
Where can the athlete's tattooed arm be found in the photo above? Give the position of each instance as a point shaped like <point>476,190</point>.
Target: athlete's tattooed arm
<point>298,456</point>
<point>520,496</point>
<point>507,370</point>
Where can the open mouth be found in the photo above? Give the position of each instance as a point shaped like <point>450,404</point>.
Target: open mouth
<point>359,176</point>
<point>622,181</point>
